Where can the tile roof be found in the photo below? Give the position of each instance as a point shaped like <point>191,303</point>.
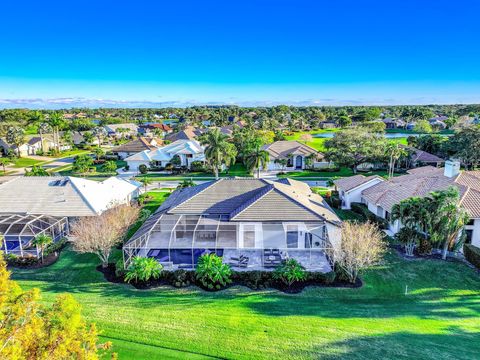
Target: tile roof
<point>281,149</point>
<point>420,182</point>
<point>138,145</point>
<point>423,156</point>
<point>351,182</point>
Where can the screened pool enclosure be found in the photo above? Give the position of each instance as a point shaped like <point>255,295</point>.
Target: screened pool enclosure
<point>17,232</point>
<point>177,241</point>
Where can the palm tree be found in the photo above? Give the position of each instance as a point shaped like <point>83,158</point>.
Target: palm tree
<point>257,159</point>
<point>218,150</point>
<point>145,181</point>
<point>56,121</point>
<point>4,162</point>
<point>42,241</point>
<point>394,152</point>
<point>99,152</point>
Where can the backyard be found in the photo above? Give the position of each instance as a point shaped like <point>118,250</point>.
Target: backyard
<point>438,318</point>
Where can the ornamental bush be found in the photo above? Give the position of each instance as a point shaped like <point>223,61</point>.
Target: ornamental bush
<point>143,168</point>
<point>143,269</point>
<point>472,254</point>
<point>212,273</point>
<point>289,272</point>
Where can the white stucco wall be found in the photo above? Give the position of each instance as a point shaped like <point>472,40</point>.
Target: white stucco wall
<point>476,232</point>
<point>355,195</point>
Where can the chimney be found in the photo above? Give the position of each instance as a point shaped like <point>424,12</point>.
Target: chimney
<point>452,168</point>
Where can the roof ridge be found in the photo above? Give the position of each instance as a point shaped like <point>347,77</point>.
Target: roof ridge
<point>196,194</point>
<point>80,193</point>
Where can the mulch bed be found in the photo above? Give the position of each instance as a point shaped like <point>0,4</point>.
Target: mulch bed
<point>296,288</point>
<point>47,261</point>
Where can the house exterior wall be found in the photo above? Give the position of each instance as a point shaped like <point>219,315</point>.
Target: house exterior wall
<point>355,195</point>
<point>475,232</point>
<point>273,166</point>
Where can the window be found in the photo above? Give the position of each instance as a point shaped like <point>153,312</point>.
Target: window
<point>292,237</point>
<point>469,234</point>
<point>249,236</point>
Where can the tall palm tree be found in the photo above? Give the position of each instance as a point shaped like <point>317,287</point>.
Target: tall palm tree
<point>56,121</point>
<point>42,241</point>
<point>218,150</point>
<point>257,159</point>
<point>394,151</point>
<point>4,161</point>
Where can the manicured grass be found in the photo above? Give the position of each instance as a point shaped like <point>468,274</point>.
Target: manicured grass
<point>97,174</point>
<point>348,215</point>
<point>343,172</point>
<point>235,170</point>
<point>437,319</point>
<point>24,162</point>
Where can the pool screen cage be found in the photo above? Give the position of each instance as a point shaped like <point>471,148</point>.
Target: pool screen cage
<point>17,232</point>
<point>182,239</point>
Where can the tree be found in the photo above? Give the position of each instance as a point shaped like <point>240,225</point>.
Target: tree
<point>88,137</point>
<point>99,234</point>
<point>362,246</point>
<point>185,183</point>
<point>289,272</point>
<point>37,170</point>
<point>447,219</point>
<point>109,167</point>
<point>344,121</point>
<point>423,126</point>
<point>82,164</point>
<point>31,330</point>
<point>282,162</point>
<point>394,152</point>
<point>306,138</point>
<point>100,133</point>
<point>257,159</point>
<point>144,169</point>
<point>4,161</point>
<point>465,145</point>
<point>145,181</point>
<point>351,148</point>
<point>16,136</point>
<point>56,121</point>
<point>41,241</point>
<point>99,152</point>
<point>212,272</point>
<point>143,269</point>
<point>218,150</point>
<point>176,160</point>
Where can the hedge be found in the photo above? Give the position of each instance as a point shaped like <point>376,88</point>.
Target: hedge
<point>472,254</point>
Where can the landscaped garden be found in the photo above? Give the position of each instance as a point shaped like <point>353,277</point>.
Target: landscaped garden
<point>437,318</point>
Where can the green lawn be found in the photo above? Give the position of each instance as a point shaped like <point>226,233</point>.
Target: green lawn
<point>343,172</point>
<point>66,170</point>
<point>24,162</point>
<point>235,170</point>
<point>438,319</point>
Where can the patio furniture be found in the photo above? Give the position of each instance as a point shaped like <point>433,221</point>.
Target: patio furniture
<point>241,261</point>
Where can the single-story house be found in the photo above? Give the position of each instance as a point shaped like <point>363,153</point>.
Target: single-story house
<point>252,223</point>
<point>381,197</point>
<point>189,133</point>
<point>294,152</point>
<point>121,130</point>
<point>64,196</point>
<point>350,188</point>
<point>5,148</point>
<point>137,145</point>
<point>330,124</point>
<point>421,158</point>
<point>154,129</point>
<point>391,123</point>
<point>188,151</point>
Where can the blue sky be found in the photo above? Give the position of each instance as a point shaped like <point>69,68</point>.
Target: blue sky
<point>142,53</point>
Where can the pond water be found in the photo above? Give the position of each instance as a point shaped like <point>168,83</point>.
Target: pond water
<point>387,135</point>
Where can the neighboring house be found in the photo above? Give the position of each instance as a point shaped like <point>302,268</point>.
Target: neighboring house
<point>64,196</point>
<point>189,133</point>
<point>391,123</point>
<point>252,223</point>
<point>350,188</point>
<point>6,148</point>
<point>35,144</point>
<point>79,139</point>
<point>422,158</point>
<point>328,125</point>
<point>293,151</point>
<point>135,146</point>
<point>150,130</point>
<point>381,197</point>
<point>188,151</point>
<point>121,130</point>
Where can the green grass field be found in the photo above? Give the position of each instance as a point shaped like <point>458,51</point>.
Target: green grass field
<point>24,162</point>
<point>437,319</point>
<point>235,170</point>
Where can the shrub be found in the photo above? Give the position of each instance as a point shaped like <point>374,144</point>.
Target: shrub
<point>212,273</point>
<point>55,246</point>
<point>197,166</point>
<point>254,279</point>
<point>289,272</point>
<point>143,168</point>
<point>179,278</point>
<point>14,260</point>
<point>410,238</point>
<point>119,268</point>
<point>144,214</point>
<point>143,269</point>
<point>472,254</point>
<point>109,167</point>
<point>321,278</point>
<point>424,247</point>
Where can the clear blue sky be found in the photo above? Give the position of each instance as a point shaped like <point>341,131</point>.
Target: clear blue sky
<point>100,53</point>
